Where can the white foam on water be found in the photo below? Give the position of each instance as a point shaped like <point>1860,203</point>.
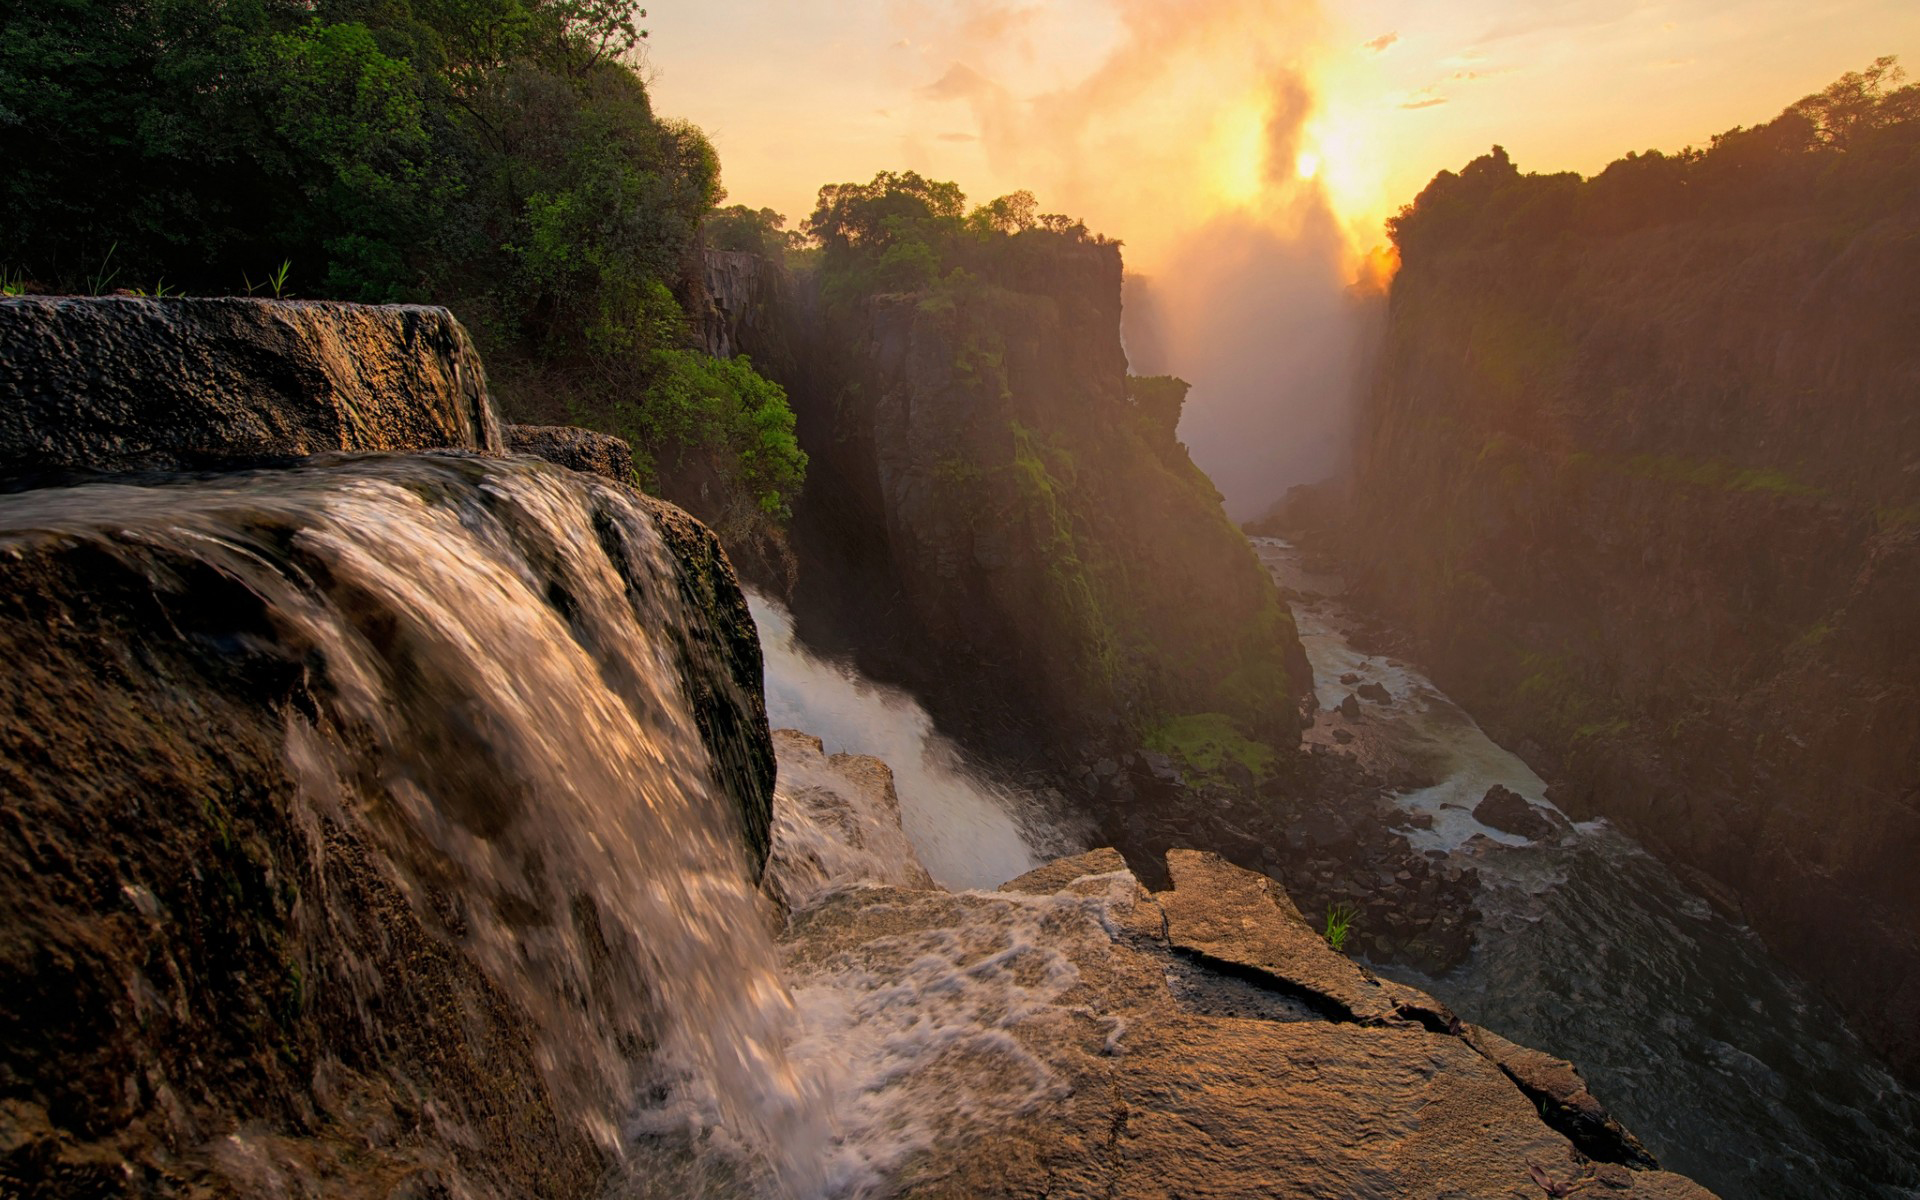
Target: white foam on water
<point>964,828</point>
<point>1421,719</point>
<point>829,832</point>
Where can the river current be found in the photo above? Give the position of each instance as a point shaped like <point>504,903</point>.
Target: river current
<point>1730,1069</point>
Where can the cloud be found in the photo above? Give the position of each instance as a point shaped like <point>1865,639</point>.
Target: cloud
<point>1379,45</point>
<point>957,137</point>
<point>1425,102</point>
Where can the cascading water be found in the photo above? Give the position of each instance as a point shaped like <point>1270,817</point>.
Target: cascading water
<point>502,635</point>
<point>969,833</point>
<point>1729,1069</point>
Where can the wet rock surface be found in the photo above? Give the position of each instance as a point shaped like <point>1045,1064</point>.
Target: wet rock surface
<point>577,449</point>
<point>1191,1045</point>
<point>836,823</point>
<point>1509,812</point>
<point>119,384</point>
<point>204,960</point>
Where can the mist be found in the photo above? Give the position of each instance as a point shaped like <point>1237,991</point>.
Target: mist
<point>1198,149</point>
<point>1276,342</point>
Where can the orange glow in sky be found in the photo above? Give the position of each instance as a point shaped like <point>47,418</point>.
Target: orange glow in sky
<point>1151,117</point>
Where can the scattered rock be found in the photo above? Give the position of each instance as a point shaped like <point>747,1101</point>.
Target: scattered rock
<point>1212,1044</point>
<point>1343,736</point>
<point>1350,678</point>
<point>1508,811</point>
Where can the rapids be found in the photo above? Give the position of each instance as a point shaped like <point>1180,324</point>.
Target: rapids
<point>1730,1070</point>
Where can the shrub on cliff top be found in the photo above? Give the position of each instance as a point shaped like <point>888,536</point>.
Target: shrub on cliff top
<point>501,157</point>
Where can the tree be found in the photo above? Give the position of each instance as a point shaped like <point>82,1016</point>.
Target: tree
<point>1859,101</point>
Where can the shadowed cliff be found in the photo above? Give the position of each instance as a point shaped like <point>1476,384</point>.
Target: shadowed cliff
<point>1641,476</point>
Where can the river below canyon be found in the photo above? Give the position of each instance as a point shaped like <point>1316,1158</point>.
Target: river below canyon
<point>1730,1069</point>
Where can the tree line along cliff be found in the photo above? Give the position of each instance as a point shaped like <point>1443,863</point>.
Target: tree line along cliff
<point>1640,472</point>
<point>500,157</point>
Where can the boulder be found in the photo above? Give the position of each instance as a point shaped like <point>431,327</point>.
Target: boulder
<point>121,384</point>
<point>1350,707</point>
<point>1508,811</point>
<point>1374,692</point>
<point>577,449</point>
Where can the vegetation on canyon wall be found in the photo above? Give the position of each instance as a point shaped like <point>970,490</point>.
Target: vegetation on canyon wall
<point>1633,474</point>
<point>998,424</point>
<point>500,157</point>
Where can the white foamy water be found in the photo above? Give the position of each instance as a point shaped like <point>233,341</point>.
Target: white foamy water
<point>968,832</point>
<point>1421,722</point>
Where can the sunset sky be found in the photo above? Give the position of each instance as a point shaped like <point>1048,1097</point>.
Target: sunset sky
<point>1148,115</point>
<point>1246,151</point>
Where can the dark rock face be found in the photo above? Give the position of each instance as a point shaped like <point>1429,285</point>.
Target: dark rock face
<point>1030,551</point>
<point>1508,811</point>
<point>1647,502</point>
<point>194,944</point>
<point>574,448</point>
<point>116,384</point>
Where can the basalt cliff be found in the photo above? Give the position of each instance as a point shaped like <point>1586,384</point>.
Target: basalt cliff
<point>1640,476</point>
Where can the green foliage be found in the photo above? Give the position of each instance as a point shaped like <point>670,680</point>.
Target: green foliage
<point>1159,399</point>
<point>757,231</point>
<point>498,156</point>
<point>903,233</point>
<point>1340,918</point>
<point>1719,475</point>
<point>696,403</point>
<point>1204,743</point>
<point>1044,474</point>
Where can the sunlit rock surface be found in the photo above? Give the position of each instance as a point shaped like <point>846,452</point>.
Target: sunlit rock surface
<point>1075,1035</point>
<point>114,384</point>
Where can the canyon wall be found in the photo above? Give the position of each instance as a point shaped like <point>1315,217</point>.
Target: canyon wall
<point>1641,477</point>
<point>1000,516</point>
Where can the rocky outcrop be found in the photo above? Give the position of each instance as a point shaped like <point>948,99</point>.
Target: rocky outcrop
<point>1646,496</point>
<point>246,762</point>
<point>836,824</point>
<point>576,449</point>
<point>1199,1042</point>
<point>116,384</point>
<point>1508,811</point>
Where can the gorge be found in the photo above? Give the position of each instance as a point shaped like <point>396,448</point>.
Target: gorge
<point>569,687</point>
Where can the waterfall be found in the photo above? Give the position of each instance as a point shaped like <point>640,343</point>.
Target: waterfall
<point>495,642</point>
<point>968,832</point>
